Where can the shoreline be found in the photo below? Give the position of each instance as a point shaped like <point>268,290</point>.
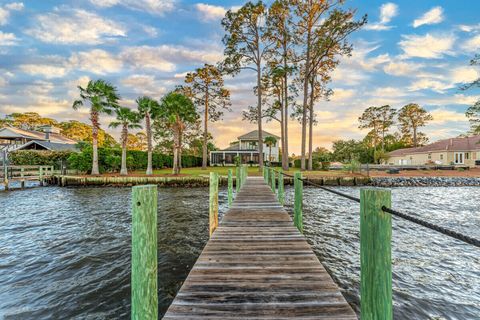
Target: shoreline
<point>203,181</point>
<point>185,181</point>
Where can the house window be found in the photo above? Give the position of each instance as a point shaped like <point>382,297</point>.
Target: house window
<point>467,155</point>
<point>429,156</point>
<point>441,157</point>
<point>459,157</point>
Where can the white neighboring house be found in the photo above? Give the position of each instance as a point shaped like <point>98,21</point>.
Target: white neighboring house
<point>247,149</point>
<point>44,138</point>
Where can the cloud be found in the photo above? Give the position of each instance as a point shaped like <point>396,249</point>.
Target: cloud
<point>165,57</point>
<point>442,116</point>
<point>401,68</point>
<point>210,12</point>
<point>440,82</point>
<point>14,6</point>
<point>48,71</point>
<point>7,39</point>
<point>472,44</point>
<point>6,9</point>
<point>433,16</point>
<point>156,7</point>
<point>342,94</point>
<point>427,46</point>
<point>75,26</point>
<point>469,28</point>
<point>149,30</point>
<point>387,12</point>
<point>96,61</point>
<point>464,75</point>
<point>391,92</point>
<point>145,85</point>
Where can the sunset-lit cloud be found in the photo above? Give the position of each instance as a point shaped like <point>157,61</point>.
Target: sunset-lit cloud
<point>409,52</point>
<point>427,46</point>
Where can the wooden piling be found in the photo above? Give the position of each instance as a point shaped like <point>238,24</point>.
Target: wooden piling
<point>144,253</point>
<point>40,175</point>
<point>298,205</point>
<point>375,254</point>
<point>22,176</point>
<point>230,187</point>
<point>213,212</point>
<point>281,188</point>
<point>237,179</point>
<point>272,181</point>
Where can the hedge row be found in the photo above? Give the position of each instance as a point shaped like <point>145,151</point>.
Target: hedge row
<point>109,159</point>
<point>39,158</point>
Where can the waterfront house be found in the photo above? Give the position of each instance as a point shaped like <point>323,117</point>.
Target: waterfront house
<point>44,138</point>
<point>246,147</point>
<point>463,151</point>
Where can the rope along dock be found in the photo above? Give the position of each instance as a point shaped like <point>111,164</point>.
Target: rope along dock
<point>257,265</point>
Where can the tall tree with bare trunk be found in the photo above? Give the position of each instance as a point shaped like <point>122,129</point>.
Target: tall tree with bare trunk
<point>246,48</point>
<point>206,88</point>
<point>321,29</point>
<point>411,117</point>
<point>279,31</point>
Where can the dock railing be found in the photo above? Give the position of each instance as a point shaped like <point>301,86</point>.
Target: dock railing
<point>144,295</point>
<point>25,173</point>
<point>375,238</point>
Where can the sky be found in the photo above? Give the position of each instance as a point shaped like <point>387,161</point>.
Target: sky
<point>410,51</point>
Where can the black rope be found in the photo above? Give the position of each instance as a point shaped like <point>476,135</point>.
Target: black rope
<point>399,214</point>
<point>434,227</point>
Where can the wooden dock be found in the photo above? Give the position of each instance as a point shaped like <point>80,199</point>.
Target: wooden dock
<point>257,265</point>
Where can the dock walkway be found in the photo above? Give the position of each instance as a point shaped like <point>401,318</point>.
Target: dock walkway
<point>257,265</point>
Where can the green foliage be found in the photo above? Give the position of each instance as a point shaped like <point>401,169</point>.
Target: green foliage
<point>410,118</point>
<point>113,162</point>
<point>473,112</point>
<point>346,150</point>
<point>325,165</point>
<point>39,157</point>
<point>110,160</point>
<point>237,161</point>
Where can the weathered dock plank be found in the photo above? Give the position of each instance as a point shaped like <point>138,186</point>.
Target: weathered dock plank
<point>257,265</point>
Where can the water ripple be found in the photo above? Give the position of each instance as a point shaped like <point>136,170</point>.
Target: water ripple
<point>66,251</point>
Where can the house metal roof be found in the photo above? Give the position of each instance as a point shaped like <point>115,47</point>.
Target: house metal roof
<point>50,146</point>
<point>17,133</point>
<point>253,135</point>
<point>454,144</point>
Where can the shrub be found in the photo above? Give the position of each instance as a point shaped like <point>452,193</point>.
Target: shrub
<point>297,163</point>
<point>39,157</point>
<point>113,162</point>
<point>109,160</point>
<point>326,165</point>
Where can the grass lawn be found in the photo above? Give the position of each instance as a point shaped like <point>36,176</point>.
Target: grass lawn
<point>252,171</point>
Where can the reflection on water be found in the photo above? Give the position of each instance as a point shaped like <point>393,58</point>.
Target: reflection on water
<point>65,253</point>
<point>434,277</point>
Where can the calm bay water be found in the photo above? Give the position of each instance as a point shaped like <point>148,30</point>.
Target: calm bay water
<point>65,253</point>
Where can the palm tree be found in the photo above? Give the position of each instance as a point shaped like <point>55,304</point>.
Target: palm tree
<point>148,109</point>
<point>102,98</point>
<point>270,142</point>
<point>176,112</point>
<point>128,119</point>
